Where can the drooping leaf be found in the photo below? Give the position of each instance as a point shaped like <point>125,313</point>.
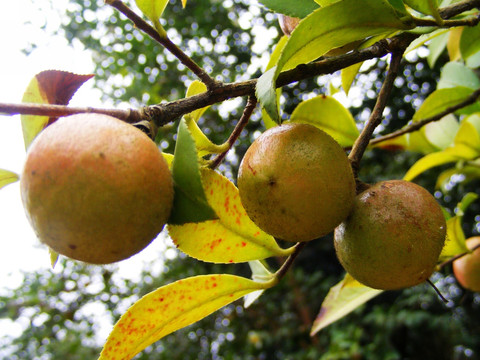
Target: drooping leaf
<point>469,44</point>
<point>195,88</point>
<point>7,177</point>
<point>233,237</point>
<point>190,203</point>
<point>329,115</point>
<point>260,273</point>
<point>446,156</point>
<point>267,120</point>
<point>467,200</point>
<point>348,76</point>
<point>455,241</point>
<point>342,299</point>
<point>297,8</point>
<point>453,43</point>
<point>170,308</point>
<point>48,87</point>
<point>327,28</point>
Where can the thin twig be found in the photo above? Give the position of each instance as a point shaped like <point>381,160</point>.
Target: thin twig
<point>363,140</point>
<point>440,295</point>
<point>288,263</point>
<point>129,115</point>
<point>165,42</point>
<point>469,21</point>
<point>452,259</point>
<point>247,113</point>
<point>419,124</point>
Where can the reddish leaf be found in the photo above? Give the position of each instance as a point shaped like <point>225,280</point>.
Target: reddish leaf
<point>48,87</point>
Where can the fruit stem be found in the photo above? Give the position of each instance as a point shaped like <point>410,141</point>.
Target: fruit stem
<point>247,112</point>
<point>363,140</point>
<point>288,263</point>
<point>452,259</point>
<point>444,299</point>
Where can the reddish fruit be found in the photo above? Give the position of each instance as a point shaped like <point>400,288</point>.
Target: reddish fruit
<point>393,237</point>
<point>96,189</point>
<point>296,183</point>
<point>467,268</point>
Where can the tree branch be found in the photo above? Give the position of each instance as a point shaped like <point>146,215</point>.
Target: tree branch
<point>165,42</point>
<point>419,124</point>
<point>363,140</point>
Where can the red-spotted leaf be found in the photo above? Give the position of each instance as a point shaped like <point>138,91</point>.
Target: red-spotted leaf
<point>173,307</point>
<point>7,177</point>
<point>233,237</point>
<point>48,87</point>
<point>342,299</point>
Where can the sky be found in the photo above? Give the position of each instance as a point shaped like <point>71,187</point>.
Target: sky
<point>22,20</point>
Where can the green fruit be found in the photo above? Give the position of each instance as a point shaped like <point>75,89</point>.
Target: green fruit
<point>467,268</point>
<point>296,182</point>
<point>393,237</point>
<point>96,189</point>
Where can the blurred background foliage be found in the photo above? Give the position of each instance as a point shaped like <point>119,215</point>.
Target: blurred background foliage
<point>63,313</point>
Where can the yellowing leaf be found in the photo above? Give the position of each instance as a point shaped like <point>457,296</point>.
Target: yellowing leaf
<point>329,27</point>
<point>48,87</point>
<point>329,115</point>
<point>230,239</point>
<point>202,142</point>
<point>195,88</point>
<point>453,44</point>
<point>348,75</point>
<point>455,242</point>
<point>448,155</point>
<point>152,9</point>
<point>170,308</point>
<point>342,299</point>
<point>7,177</point>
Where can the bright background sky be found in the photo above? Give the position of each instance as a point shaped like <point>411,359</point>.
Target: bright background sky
<point>20,22</point>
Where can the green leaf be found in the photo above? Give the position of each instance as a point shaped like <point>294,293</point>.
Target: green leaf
<point>437,46</point>
<point>48,87</point>
<point>467,200</point>
<point>267,120</point>
<point>456,74</point>
<point>190,203</point>
<point>329,115</point>
<point>171,308</point>
<point>348,75</point>
<point>233,238</point>
<point>7,177</point>
<point>152,9</point>
<point>469,41</point>
<point>342,299</point>
<point>427,7</point>
<point>297,8</point>
<point>327,28</point>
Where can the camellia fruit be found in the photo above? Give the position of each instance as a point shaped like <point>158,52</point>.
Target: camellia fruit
<point>296,183</point>
<point>467,268</point>
<point>393,237</point>
<point>96,189</point>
